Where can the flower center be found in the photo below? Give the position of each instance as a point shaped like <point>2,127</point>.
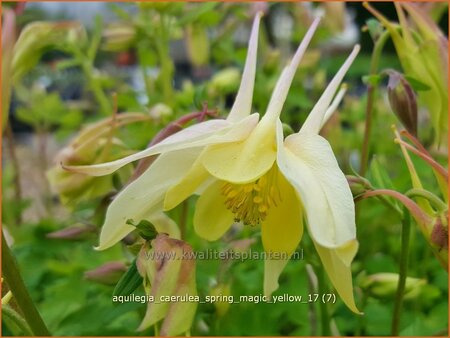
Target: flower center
<point>250,202</point>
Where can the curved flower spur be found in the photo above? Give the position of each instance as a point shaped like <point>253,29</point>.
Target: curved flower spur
<point>245,172</point>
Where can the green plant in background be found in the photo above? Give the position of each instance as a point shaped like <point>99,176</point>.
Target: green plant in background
<point>95,143</point>
<point>422,49</point>
<point>399,281</point>
<point>33,41</point>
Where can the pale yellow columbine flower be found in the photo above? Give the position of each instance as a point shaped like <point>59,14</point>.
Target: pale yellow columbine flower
<point>178,153</point>
<point>272,182</point>
<point>247,173</point>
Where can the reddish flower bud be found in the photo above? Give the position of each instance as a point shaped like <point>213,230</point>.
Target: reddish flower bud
<point>75,232</point>
<point>403,100</point>
<point>439,234</point>
<point>358,185</point>
<point>108,273</point>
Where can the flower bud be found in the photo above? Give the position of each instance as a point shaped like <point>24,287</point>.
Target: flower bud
<point>160,112</point>
<point>108,273</point>
<point>197,41</point>
<point>119,37</point>
<point>75,232</point>
<point>8,40</point>
<point>335,15</point>
<point>402,100</point>
<point>384,285</point>
<point>168,268</point>
<point>242,245</point>
<point>93,141</point>
<point>224,82</point>
<point>439,233</point>
<point>36,37</point>
<point>271,60</point>
<point>358,185</point>
<point>221,291</point>
<point>287,130</point>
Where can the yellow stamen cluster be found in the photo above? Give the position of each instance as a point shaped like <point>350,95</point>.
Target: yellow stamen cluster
<point>250,202</point>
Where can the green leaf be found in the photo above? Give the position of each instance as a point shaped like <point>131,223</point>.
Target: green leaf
<point>146,229</point>
<point>96,38</point>
<point>372,80</point>
<point>129,282</point>
<point>198,12</point>
<point>381,180</point>
<point>61,65</point>
<point>416,84</point>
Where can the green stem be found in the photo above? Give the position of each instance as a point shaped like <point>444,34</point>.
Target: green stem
<point>87,66</point>
<point>22,297</point>
<point>97,90</point>
<point>312,289</point>
<point>359,332</point>
<point>403,270</point>
<point>371,89</point>
<point>432,198</point>
<point>166,64</point>
<point>15,163</point>
<point>156,329</point>
<point>325,319</point>
<point>149,86</point>
<point>11,316</point>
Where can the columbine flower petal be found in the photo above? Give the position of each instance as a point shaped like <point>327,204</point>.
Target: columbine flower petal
<point>281,233</point>
<point>202,134</point>
<point>315,119</point>
<point>237,126</point>
<point>145,195</point>
<point>308,162</point>
<point>243,162</point>
<point>339,273</point>
<point>285,80</point>
<point>328,204</point>
<point>194,178</point>
<point>243,102</point>
<point>336,101</point>
<point>211,218</point>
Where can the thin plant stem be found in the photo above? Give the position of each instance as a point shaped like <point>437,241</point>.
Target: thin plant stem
<point>8,313</point>
<point>361,319</point>
<point>325,319</point>
<point>167,69</point>
<point>432,198</point>
<point>97,90</point>
<point>156,329</point>
<point>87,66</point>
<point>42,140</point>
<point>371,90</point>
<point>403,270</point>
<point>23,299</point>
<point>15,163</point>
<point>312,288</point>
